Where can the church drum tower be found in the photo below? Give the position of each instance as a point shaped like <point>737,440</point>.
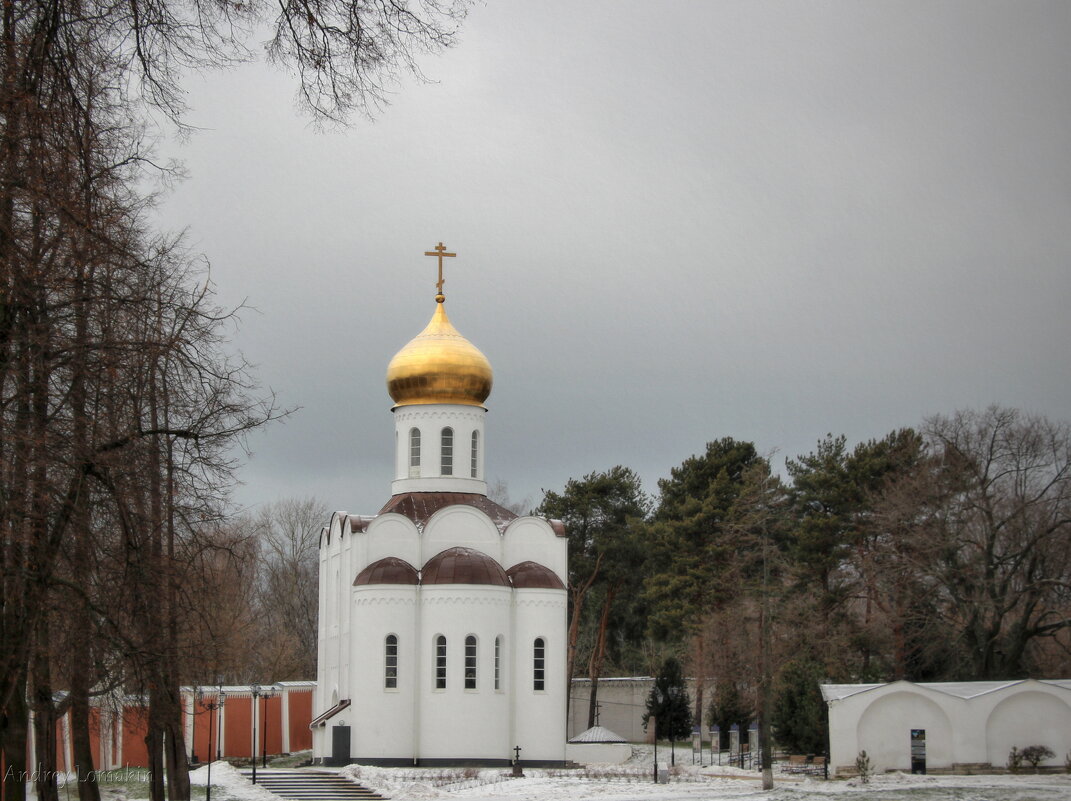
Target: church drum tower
<point>442,619</point>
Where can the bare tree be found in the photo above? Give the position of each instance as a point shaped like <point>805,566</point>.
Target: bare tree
<point>994,534</point>
<point>288,536</point>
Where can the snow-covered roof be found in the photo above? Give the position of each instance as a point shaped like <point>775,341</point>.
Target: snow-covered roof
<point>597,734</point>
<point>959,689</point>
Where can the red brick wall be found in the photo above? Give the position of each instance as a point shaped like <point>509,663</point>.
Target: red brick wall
<point>135,753</point>
<point>205,724</point>
<point>300,717</point>
<point>274,719</point>
<point>238,727</point>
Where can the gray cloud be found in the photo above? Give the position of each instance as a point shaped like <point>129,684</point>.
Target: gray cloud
<point>675,222</point>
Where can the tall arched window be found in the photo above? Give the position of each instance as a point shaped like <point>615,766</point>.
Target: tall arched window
<point>414,453</point>
<point>538,664</point>
<point>390,672</point>
<point>470,662</point>
<point>447,452</point>
<point>440,662</point>
<point>475,453</point>
<point>498,662</point>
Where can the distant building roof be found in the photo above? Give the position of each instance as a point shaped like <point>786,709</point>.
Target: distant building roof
<point>959,689</point>
<point>597,734</point>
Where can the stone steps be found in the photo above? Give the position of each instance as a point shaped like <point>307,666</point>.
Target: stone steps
<point>311,785</point>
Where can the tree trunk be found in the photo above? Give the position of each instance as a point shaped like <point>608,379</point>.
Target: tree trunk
<point>44,722</point>
<point>178,767</point>
<point>699,671</point>
<point>14,734</point>
<point>598,653</point>
<point>579,594</point>
<point>155,747</point>
<point>81,745</point>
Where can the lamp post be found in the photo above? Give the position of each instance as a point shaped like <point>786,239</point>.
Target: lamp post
<point>212,706</point>
<point>674,695</point>
<point>254,692</point>
<point>269,692</point>
<point>659,696</point>
<point>222,696</point>
<point>193,728</point>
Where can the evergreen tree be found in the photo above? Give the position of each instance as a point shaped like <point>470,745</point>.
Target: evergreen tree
<point>604,515</point>
<point>690,541</point>
<point>799,713</point>
<point>669,703</point>
<point>728,707</point>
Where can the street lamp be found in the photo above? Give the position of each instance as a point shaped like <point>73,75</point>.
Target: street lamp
<point>212,706</point>
<point>658,697</point>
<point>254,692</point>
<point>674,694</point>
<point>269,692</point>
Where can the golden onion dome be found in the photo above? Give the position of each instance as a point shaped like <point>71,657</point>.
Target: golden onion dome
<point>439,365</point>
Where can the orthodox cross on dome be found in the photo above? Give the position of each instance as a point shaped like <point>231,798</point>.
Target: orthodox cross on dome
<point>440,251</point>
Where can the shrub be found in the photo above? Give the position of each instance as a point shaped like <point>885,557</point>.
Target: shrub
<point>1036,754</point>
<point>1015,760</point>
<point>862,766</point>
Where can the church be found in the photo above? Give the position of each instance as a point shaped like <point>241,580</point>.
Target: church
<point>442,619</point>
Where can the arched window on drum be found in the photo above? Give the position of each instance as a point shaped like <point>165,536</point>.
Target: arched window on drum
<point>447,456</point>
<point>414,453</point>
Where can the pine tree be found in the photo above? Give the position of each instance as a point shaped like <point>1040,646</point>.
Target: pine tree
<point>669,704</point>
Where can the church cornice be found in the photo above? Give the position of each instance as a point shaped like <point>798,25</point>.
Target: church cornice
<point>438,599</point>
<point>369,599</point>
<point>437,413</point>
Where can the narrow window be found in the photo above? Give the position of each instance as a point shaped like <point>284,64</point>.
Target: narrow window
<point>470,663</point>
<point>498,663</point>
<point>414,453</point>
<point>440,662</point>
<point>448,452</point>
<point>390,676</point>
<point>475,452</point>
<point>537,664</point>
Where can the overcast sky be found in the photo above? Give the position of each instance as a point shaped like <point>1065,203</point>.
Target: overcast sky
<point>675,222</point>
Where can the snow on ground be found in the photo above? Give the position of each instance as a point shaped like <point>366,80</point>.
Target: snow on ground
<point>633,782</point>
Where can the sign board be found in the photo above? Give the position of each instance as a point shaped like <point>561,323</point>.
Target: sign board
<point>918,750</point>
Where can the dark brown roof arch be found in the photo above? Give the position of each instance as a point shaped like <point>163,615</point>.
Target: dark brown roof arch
<point>389,570</point>
<point>420,506</point>
<point>534,576</point>
<point>463,566</point>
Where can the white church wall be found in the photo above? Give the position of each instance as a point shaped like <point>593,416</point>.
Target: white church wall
<point>460,526</point>
<point>598,753</point>
<point>970,723</point>
<point>1036,716</point>
<point>333,645</point>
<point>391,535</point>
<point>382,721</point>
<point>532,539</point>
<point>885,727</point>
<point>456,611</point>
<point>539,715</point>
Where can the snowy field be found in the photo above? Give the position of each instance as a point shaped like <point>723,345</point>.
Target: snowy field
<point>632,782</point>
